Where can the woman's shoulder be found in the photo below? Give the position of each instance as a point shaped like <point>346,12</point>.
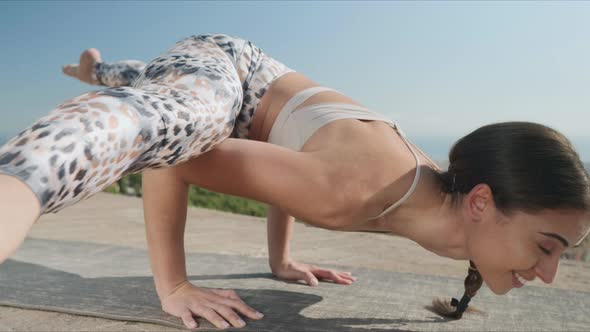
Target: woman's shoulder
<point>361,161</point>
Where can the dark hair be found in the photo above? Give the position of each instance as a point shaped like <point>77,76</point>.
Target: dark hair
<point>528,166</point>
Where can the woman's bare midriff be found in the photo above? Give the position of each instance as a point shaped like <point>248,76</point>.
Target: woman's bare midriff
<point>371,154</point>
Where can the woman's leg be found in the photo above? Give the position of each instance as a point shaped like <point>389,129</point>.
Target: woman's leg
<point>257,71</point>
<point>181,105</point>
<point>19,209</point>
<point>120,73</point>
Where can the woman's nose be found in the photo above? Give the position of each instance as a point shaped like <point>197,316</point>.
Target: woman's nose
<point>547,269</point>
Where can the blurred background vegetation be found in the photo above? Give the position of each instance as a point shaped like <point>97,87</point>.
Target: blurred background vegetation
<point>199,197</point>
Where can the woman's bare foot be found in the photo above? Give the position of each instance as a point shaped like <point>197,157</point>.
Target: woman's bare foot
<point>85,70</point>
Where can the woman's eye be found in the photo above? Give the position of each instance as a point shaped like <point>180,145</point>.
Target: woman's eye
<point>545,251</point>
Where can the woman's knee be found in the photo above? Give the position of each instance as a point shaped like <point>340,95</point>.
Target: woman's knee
<point>80,147</point>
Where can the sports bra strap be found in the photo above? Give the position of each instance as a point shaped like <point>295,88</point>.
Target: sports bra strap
<point>414,183</point>
<point>302,96</point>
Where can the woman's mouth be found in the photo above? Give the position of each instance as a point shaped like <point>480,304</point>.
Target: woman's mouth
<point>517,280</point>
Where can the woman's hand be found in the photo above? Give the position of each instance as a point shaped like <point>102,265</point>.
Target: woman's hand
<point>215,305</point>
<point>292,270</point>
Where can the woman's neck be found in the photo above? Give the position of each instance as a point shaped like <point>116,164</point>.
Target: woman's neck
<point>428,219</point>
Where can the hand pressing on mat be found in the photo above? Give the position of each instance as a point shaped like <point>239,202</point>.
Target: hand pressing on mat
<point>291,270</point>
<point>218,306</point>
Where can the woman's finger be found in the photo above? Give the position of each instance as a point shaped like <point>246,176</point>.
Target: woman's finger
<point>209,314</point>
<point>299,273</point>
<point>331,275</point>
<point>348,277</point>
<point>228,314</point>
<point>337,278</point>
<point>241,307</point>
<point>326,274</point>
<point>188,320</point>
<point>310,278</point>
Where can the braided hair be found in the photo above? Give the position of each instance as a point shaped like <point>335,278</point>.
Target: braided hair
<point>455,308</point>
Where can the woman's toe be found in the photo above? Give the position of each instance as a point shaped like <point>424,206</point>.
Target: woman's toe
<point>89,57</point>
<point>71,70</point>
<point>87,60</point>
<point>93,53</point>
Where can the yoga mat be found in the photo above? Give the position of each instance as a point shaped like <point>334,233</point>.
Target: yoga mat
<point>115,282</point>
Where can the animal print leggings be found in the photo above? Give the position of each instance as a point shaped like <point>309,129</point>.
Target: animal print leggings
<point>191,97</point>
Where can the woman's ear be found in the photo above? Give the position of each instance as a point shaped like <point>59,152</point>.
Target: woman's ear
<point>478,200</point>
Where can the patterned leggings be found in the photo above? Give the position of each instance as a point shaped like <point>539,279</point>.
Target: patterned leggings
<point>193,96</point>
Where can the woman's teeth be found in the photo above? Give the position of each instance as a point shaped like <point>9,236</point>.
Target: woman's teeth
<point>520,278</point>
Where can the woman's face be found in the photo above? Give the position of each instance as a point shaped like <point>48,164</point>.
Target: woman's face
<point>528,245</point>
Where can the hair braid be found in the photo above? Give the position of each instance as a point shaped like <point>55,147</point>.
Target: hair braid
<point>455,308</point>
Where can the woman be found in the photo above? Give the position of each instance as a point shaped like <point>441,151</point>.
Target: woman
<point>514,197</point>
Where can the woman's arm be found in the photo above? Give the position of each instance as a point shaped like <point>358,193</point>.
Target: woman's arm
<point>294,181</point>
<point>280,230</point>
<point>165,205</point>
<point>279,226</point>
<point>165,198</point>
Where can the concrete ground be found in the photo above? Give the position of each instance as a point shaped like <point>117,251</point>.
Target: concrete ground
<point>118,220</point>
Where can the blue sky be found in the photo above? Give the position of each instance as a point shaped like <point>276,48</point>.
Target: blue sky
<point>440,69</point>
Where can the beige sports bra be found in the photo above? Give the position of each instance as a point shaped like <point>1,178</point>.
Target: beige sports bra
<point>292,129</point>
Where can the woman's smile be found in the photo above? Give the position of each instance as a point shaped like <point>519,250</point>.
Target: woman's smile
<point>518,281</point>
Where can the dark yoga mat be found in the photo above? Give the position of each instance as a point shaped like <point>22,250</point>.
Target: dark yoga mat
<point>116,283</point>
